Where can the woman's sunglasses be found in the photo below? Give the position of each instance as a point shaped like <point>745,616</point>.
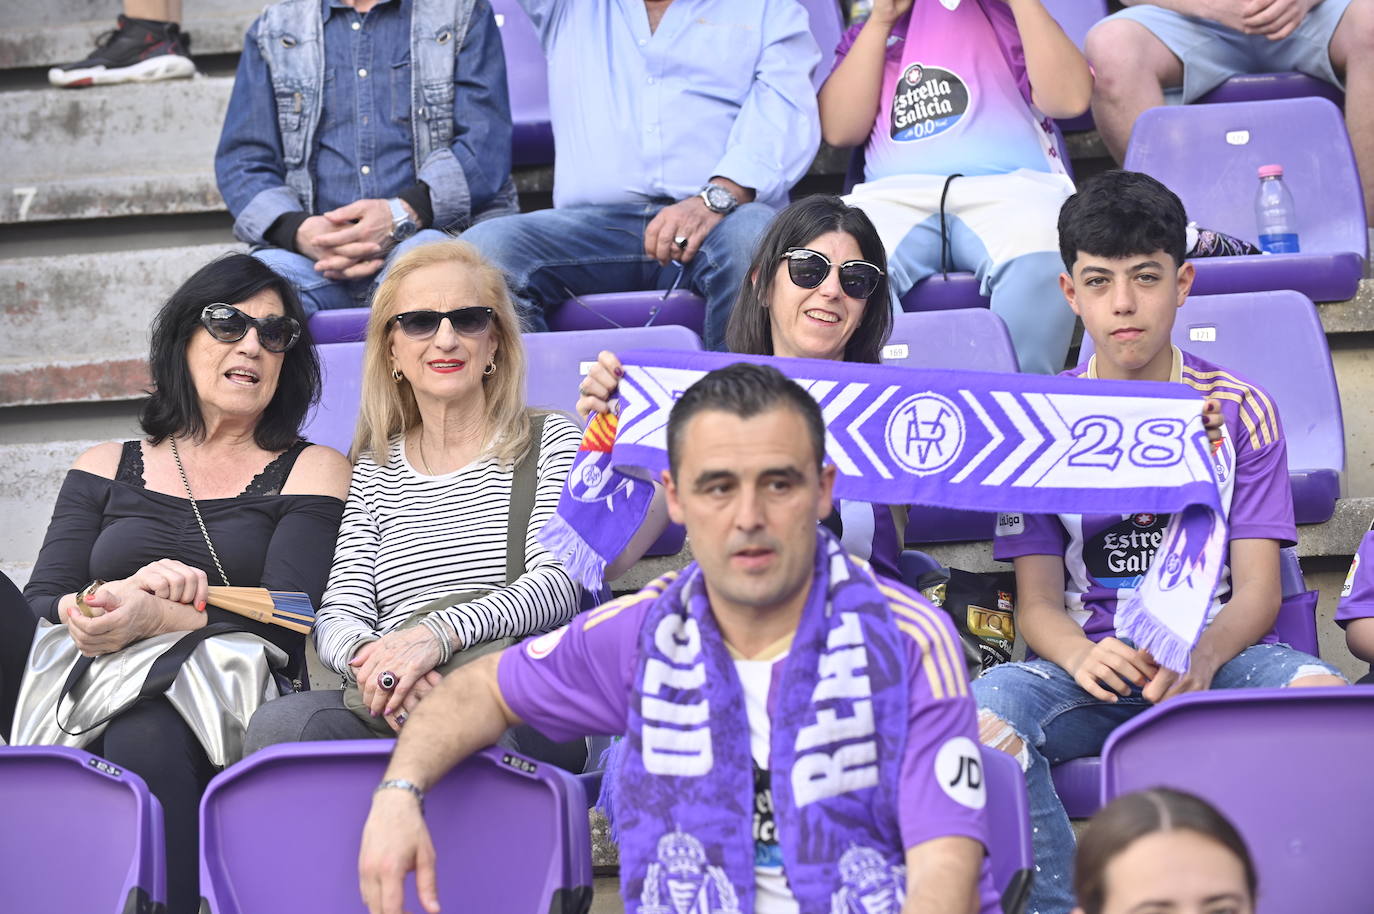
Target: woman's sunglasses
<point>808,269</point>
<point>276,332</point>
<point>421,325</point>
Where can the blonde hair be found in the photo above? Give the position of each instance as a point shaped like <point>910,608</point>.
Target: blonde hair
<point>388,407</point>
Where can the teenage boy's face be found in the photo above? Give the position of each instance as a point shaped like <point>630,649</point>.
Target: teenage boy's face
<point>1128,305</point>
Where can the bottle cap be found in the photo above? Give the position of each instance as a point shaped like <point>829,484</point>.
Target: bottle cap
<point>1271,171</point>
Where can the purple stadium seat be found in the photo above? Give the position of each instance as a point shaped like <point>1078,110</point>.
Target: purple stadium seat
<point>1009,829</point>
<point>973,339</point>
<point>559,361</point>
<point>527,76</point>
<point>340,325</point>
<point>1276,340</point>
<point>1253,87</point>
<point>332,421</point>
<point>1208,155</point>
<point>1076,17</point>
<point>1079,785</point>
<point>1289,767</point>
<point>945,293</point>
<point>77,834</point>
<point>510,834</point>
<point>630,309</point>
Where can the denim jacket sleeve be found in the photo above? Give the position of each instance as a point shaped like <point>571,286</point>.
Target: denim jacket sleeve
<point>777,132</point>
<point>249,165</point>
<point>464,178</point>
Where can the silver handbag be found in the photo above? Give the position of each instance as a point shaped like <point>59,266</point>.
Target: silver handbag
<point>216,688</point>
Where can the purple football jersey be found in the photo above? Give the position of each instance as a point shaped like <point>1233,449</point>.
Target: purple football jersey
<point>1106,555</point>
<point>1357,596</point>
<point>579,680</point>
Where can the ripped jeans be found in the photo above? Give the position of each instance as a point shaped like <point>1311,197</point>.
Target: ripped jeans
<point>1056,721</point>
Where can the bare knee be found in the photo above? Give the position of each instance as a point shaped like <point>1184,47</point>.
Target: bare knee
<point>1123,52</point>
<point>1354,36</point>
<point>996,733</point>
<point>1314,677</point>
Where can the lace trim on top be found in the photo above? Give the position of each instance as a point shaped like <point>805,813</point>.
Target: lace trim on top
<point>268,482</point>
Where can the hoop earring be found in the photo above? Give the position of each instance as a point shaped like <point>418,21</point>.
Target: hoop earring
<point>490,369</point>
<point>396,375</point>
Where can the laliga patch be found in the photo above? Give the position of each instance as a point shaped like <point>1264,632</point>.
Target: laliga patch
<point>959,769</point>
<point>541,647</point>
<point>926,102</point>
<point>1350,578</point>
<point>1011,524</point>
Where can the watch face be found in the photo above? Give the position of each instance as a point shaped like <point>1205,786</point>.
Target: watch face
<point>403,230</point>
<point>719,199</point>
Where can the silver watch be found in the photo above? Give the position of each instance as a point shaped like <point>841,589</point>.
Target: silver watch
<point>402,226</point>
<point>718,199</point>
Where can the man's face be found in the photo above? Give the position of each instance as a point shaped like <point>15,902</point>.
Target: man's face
<point>1128,305</point>
<point>750,495</point>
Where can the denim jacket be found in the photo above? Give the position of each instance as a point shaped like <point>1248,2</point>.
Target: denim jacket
<point>459,117</point>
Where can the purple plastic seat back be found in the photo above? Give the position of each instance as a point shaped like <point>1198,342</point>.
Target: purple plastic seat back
<point>510,834</point>
<point>1009,829</point>
<point>62,807</point>
<point>1209,154</point>
<point>333,421</point>
<point>1276,340</point>
<point>1254,87</point>
<point>608,310</point>
<point>973,339</point>
<point>527,77</point>
<point>340,325</point>
<point>1288,767</point>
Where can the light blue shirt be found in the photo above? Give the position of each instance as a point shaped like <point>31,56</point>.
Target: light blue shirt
<point>722,87</point>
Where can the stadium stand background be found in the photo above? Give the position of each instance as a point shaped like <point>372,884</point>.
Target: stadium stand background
<point>107,200</point>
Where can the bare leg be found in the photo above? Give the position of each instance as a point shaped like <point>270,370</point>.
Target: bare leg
<point>1351,48</point>
<point>1132,69</point>
<point>157,10</point>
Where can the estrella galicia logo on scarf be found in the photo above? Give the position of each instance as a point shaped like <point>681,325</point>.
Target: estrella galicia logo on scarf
<point>927,101</point>
<point>925,433</point>
<point>681,881</point>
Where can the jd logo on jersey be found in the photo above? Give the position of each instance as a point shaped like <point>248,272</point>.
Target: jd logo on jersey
<point>927,101</point>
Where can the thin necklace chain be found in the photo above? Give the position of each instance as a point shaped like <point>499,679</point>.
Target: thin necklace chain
<point>196,508</point>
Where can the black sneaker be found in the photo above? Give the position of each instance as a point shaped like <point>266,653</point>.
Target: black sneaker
<point>136,50</point>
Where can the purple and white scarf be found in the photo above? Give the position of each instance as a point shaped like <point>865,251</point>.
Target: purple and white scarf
<point>976,441</point>
<point>836,749</point>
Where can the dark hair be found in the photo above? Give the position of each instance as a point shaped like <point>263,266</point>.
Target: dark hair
<point>1131,817</point>
<point>744,389</point>
<point>173,408</point>
<point>1120,214</point>
<point>750,330</point>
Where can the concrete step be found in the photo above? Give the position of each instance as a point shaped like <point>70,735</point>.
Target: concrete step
<point>74,328</point>
<point>44,34</point>
<point>141,150</point>
<point>31,475</point>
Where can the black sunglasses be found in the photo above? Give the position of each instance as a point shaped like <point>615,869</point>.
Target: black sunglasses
<point>808,269</point>
<point>421,325</point>
<point>276,332</point>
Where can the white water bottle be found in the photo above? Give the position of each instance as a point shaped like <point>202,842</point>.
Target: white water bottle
<point>1275,213</point>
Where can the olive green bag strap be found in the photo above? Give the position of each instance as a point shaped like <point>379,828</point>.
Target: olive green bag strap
<point>522,493</point>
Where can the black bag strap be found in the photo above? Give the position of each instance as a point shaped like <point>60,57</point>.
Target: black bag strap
<point>522,490</point>
<point>160,676</point>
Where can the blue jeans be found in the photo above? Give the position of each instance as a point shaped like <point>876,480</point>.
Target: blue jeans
<point>553,254</point>
<point>320,294</point>
<point>1056,721</point>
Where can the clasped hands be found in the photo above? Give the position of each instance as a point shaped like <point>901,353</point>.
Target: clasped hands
<point>160,597</point>
<point>409,654</point>
<point>350,242</point>
<point>1111,667</point>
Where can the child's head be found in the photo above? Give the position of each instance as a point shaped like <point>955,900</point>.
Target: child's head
<point>1122,238</point>
<point>1162,851</point>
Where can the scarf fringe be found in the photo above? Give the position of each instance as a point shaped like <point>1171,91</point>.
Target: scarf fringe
<point>610,768</point>
<point>1148,634</point>
<point>579,559</point>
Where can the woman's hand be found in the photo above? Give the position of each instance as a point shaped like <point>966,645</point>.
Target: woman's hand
<point>173,580</point>
<point>125,613</point>
<point>600,384</point>
<point>1211,419</point>
<point>408,654</point>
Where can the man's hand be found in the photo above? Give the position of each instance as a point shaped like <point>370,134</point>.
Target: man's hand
<point>1274,19</point>
<point>689,219</point>
<point>359,238</point>
<point>423,686</point>
<point>396,841</point>
<point>1110,667</point>
<point>1165,684</point>
<point>308,235</point>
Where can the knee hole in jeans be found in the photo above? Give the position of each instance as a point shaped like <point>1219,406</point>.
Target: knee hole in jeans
<point>1310,675</point>
<point>996,733</point>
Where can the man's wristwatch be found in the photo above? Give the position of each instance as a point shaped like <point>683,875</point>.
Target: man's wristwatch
<point>402,226</point>
<point>718,199</point>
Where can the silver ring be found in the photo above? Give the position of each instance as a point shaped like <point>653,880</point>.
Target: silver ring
<point>680,241</point>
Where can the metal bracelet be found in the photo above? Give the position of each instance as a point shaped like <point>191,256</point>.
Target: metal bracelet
<point>402,784</point>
